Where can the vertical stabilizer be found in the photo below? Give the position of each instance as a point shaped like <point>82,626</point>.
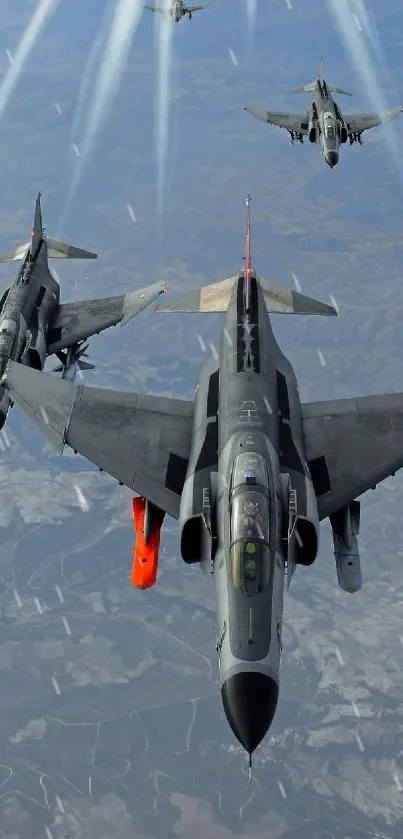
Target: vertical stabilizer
<point>216,297</point>
<point>319,84</point>
<point>248,256</point>
<point>37,230</point>
<point>321,76</point>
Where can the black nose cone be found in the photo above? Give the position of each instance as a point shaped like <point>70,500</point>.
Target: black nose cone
<point>250,701</point>
<point>332,158</point>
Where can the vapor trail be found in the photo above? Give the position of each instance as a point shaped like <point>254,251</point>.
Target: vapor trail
<point>345,14</point>
<point>44,10</point>
<point>124,25</point>
<point>164,33</point>
<point>88,74</point>
<point>251,17</point>
<point>367,20</point>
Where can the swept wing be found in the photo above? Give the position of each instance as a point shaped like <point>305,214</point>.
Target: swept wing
<point>142,441</point>
<point>197,8</point>
<point>74,322</point>
<point>357,123</point>
<point>352,445</point>
<point>291,122</point>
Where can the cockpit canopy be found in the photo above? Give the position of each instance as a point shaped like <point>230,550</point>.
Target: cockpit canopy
<point>250,469</point>
<point>329,126</point>
<point>250,522</point>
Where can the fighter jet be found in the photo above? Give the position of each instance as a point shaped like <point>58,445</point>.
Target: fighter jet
<point>176,9</point>
<point>247,470</point>
<point>34,325</point>
<point>324,123</point>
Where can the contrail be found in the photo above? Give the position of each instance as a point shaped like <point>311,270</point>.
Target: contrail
<point>366,19</point>
<point>124,25</point>
<point>164,33</point>
<point>44,10</point>
<point>89,71</point>
<point>345,15</point>
<point>251,18</point>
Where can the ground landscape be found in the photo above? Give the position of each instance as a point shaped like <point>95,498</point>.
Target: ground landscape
<point>111,722</point>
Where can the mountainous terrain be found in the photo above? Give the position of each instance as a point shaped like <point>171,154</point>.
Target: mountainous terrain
<point>111,722</point>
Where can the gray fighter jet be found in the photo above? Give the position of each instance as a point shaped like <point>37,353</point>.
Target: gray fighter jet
<point>324,123</point>
<point>176,9</point>
<point>33,325</point>
<point>248,471</point>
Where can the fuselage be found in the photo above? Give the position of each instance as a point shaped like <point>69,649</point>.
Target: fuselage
<point>327,115</point>
<point>260,443</point>
<point>248,506</point>
<point>178,10</point>
<point>24,314</point>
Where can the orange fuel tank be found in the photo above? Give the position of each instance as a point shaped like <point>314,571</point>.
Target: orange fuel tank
<point>145,554</point>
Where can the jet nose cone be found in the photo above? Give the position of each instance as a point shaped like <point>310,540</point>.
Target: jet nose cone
<point>250,701</point>
<point>332,158</point>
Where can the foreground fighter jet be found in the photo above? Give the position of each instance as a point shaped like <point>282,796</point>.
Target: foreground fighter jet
<point>248,471</point>
<point>34,325</point>
<point>323,122</point>
<point>176,9</point>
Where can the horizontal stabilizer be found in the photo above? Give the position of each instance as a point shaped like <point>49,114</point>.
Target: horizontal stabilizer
<point>216,298</point>
<point>59,250</point>
<point>56,250</point>
<point>209,298</point>
<point>312,86</point>
<point>305,88</point>
<point>334,89</point>
<point>17,254</point>
<point>285,301</point>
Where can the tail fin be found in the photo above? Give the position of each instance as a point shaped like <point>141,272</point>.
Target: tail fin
<point>55,249</point>
<point>320,74</point>
<point>312,86</point>
<point>216,297</point>
<point>248,256</point>
<point>37,229</point>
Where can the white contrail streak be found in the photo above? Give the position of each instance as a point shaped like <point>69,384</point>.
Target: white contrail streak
<point>164,33</point>
<point>343,12</point>
<point>124,25</point>
<point>367,22</point>
<point>251,18</point>
<point>88,73</point>
<point>44,10</point>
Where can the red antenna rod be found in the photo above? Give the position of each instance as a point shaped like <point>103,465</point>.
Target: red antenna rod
<point>248,258</point>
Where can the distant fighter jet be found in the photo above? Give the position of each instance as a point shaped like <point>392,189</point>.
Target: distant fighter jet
<point>176,9</point>
<point>34,325</point>
<point>248,471</point>
<point>324,123</point>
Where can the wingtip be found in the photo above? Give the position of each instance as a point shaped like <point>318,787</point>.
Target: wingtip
<point>327,310</point>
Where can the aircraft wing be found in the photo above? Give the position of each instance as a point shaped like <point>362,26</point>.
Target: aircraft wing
<point>352,445</point>
<point>77,321</point>
<point>356,123</point>
<point>197,8</point>
<point>291,122</point>
<point>154,9</point>
<point>142,441</point>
